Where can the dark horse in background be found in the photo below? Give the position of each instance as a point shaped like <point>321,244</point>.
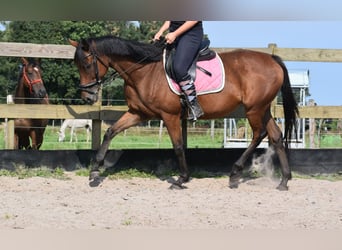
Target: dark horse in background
<point>253,80</point>
<point>30,90</point>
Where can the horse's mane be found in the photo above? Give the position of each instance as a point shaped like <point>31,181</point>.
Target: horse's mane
<point>138,51</point>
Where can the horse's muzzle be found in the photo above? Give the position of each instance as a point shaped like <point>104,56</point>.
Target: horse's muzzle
<point>89,98</point>
<point>42,93</point>
<point>89,92</point>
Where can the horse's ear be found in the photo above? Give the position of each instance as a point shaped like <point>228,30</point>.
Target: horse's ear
<point>85,45</point>
<point>37,61</point>
<point>73,43</point>
<point>24,60</point>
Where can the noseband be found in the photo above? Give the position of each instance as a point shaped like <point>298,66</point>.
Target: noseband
<point>30,82</point>
<point>87,87</point>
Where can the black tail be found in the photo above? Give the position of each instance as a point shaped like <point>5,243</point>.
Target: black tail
<point>289,102</point>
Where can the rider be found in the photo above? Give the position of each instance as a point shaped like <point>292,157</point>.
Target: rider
<point>186,37</point>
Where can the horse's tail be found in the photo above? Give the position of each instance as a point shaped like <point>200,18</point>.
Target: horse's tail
<point>289,103</point>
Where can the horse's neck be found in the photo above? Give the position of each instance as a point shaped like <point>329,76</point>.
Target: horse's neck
<point>65,124</point>
<point>133,72</point>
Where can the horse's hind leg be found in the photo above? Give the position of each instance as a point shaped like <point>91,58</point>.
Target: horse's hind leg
<point>126,121</point>
<point>259,133</point>
<point>275,139</point>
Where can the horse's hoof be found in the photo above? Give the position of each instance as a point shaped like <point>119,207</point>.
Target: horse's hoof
<point>234,181</point>
<point>94,179</point>
<point>233,185</point>
<point>282,188</point>
<point>177,186</point>
<point>94,175</point>
<point>95,182</point>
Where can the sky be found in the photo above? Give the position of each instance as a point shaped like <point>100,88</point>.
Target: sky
<point>325,78</point>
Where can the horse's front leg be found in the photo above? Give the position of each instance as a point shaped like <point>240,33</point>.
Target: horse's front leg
<point>72,133</point>
<point>175,133</point>
<point>127,120</point>
<point>39,137</point>
<point>34,139</point>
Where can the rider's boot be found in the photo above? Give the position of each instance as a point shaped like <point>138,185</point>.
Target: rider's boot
<point>194,108</point>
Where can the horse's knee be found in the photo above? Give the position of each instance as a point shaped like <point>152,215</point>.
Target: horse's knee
<point>109,134</point>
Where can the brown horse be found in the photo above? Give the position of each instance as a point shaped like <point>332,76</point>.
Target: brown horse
<point>253,79</point>
<point>30,90</point>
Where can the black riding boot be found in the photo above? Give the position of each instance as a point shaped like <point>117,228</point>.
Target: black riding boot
<point>194,108</point>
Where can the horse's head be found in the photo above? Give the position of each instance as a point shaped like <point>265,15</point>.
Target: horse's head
<point>61,136</point>
<point>31,80</point>
<point>91,68</point>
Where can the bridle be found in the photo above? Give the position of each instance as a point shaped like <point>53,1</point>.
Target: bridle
<point>28,82</point>
<point>87,87</point>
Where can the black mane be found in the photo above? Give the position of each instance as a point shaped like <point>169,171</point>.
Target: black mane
<point>138,51</point>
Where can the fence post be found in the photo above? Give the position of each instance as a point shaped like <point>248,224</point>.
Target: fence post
<point>9,134</point>
<point>9,131</point>
<point>312,127</point>
<point>96,125</point>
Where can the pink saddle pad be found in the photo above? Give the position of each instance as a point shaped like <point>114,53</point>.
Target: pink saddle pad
<point>204,83</point>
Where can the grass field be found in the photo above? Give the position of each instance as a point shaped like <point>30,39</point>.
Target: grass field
<point>144,137</point>
<point>133,138</point>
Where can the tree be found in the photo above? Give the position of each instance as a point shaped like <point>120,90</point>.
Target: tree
<point>60,75</point>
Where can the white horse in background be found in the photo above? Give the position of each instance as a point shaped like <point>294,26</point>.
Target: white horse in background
<point>74,124</point>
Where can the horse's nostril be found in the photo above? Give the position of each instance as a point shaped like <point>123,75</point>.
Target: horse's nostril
<point>89,100</point>
<point>42,93</point>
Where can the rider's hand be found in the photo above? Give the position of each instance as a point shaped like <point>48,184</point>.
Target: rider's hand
<point>157,35</point>
<point>170,37</point>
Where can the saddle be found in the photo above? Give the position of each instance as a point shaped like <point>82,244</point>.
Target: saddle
<point>204,54</point>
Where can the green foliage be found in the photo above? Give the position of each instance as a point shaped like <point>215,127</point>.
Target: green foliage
<point>23,172</point>
<point>130,173</point>
<point>60,75</point>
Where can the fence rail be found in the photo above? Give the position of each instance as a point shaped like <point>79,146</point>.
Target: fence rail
<point>114,112</point>
<point>68,51</point>
<point>98,113</point>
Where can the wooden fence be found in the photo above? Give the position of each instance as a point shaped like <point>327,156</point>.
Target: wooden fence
<point>98,113</point>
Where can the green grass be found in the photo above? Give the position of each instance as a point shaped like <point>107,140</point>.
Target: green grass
<point>133,138</point>
<point>148,138</point>
<point>23,172</point>
<point>331,141</point>
<point>328,177</point>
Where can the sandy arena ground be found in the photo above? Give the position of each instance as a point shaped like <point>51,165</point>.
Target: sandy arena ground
<point>139,203</point>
